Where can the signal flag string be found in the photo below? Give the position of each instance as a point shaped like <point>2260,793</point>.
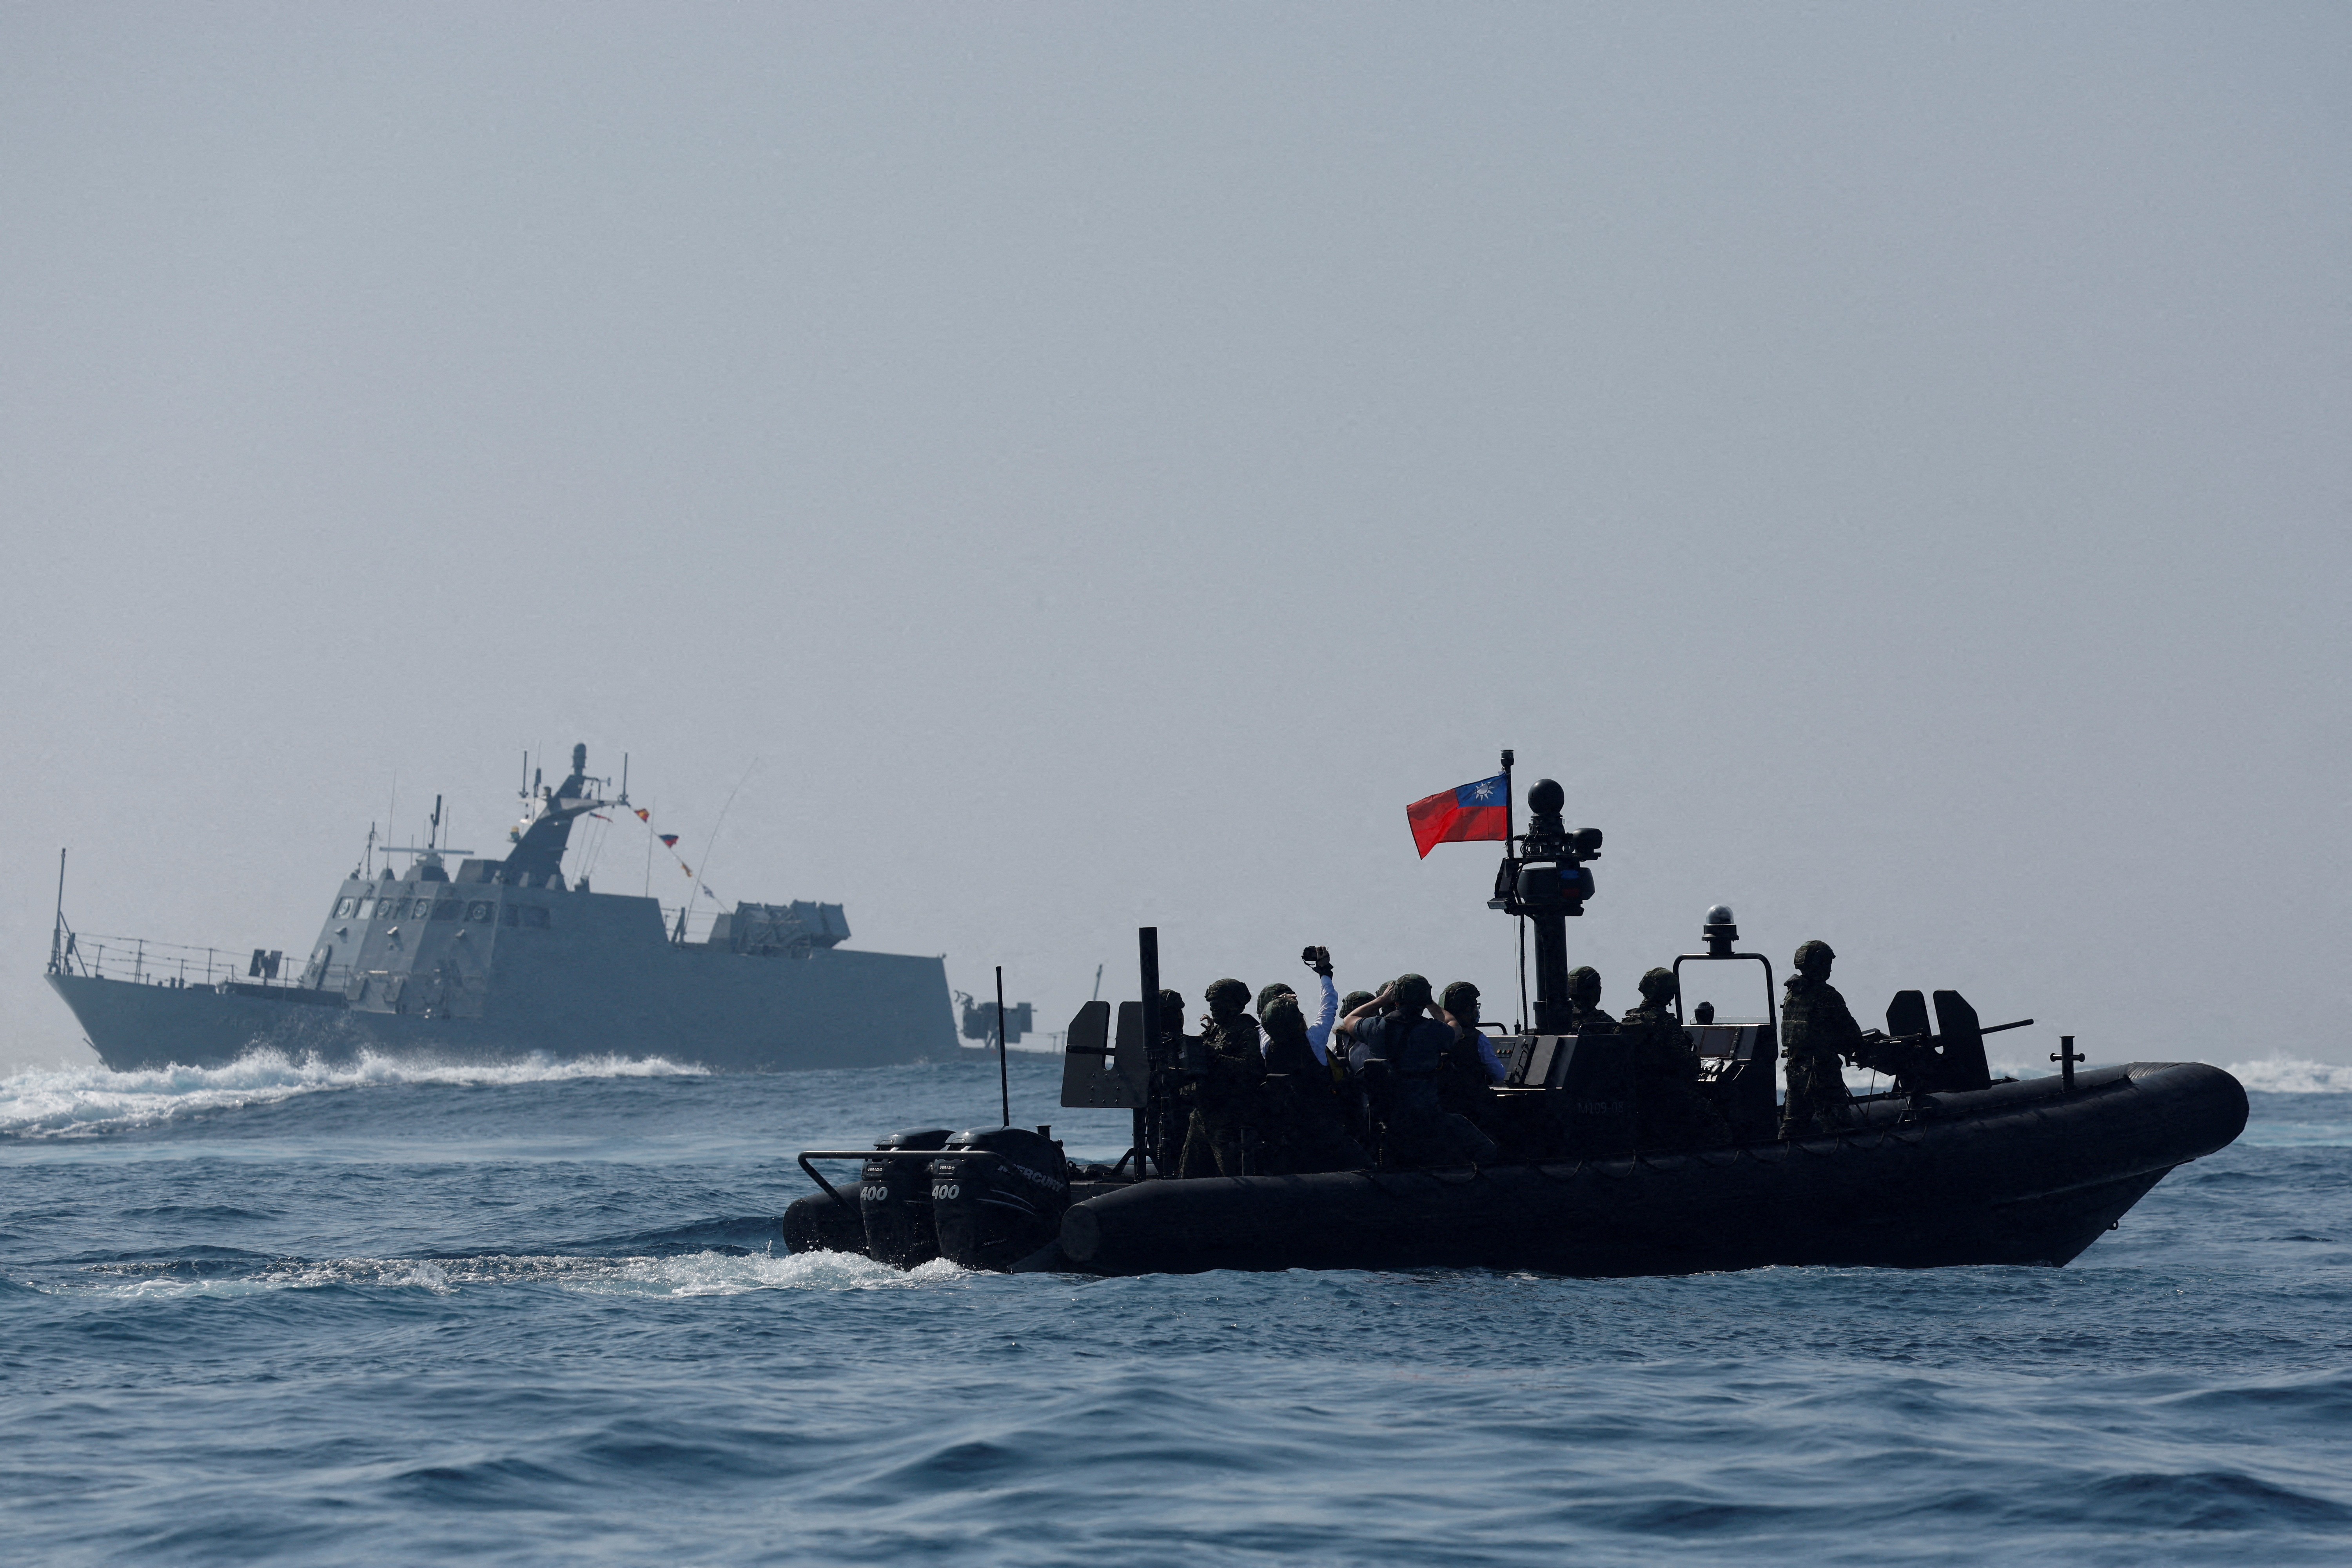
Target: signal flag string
<point>670,842</point>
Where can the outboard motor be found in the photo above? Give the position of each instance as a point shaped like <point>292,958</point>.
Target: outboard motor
<point>896,1198</point>
<point>1004,1202</point>
<point>819,1224</point>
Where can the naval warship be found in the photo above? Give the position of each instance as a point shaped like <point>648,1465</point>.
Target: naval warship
<point>506,958</point>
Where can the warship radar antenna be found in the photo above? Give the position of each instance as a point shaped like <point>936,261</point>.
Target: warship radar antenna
<point>545,830</point>
<point>429,853</point>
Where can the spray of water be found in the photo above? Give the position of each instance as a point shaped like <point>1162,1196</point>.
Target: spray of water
<point>64,1103</point>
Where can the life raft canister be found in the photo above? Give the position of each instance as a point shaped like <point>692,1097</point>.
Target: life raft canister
<point>895,1199</point>
<point>989,1212</point>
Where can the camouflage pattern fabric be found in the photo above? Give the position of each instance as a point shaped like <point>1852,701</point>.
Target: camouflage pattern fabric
<point>1225,1100</point>
<point>1816,1031</point>
<point>1169,1113</point>
<point>1817,1102</point>
<point>1462,1086</point>
<point>1670,1109</point>
<point>1584,1014</point>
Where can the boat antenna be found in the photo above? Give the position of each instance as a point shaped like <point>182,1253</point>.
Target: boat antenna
<point>57,929</point>
<point>433,838</point>
<point>1005,1073</point>
<point>713,840</point>
<point>624,779</point>
<point>1509,809</point>
<point>1147,955</point>
<point>1098,995</point>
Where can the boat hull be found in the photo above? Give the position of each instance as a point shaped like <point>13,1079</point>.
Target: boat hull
<point>2021,1173</point>
<point>716,1010</point>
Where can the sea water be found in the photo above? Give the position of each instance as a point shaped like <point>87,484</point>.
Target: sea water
<point>542,1314</point>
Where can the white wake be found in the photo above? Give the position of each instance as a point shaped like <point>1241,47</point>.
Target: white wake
<point>64,1103</point>
<point>692,1274</point>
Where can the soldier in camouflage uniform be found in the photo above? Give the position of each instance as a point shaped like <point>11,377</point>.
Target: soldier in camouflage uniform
<point>1585,1016</point>
<point>1172,1112</point>
<point>1816,1031</point>
<point>1224,1098</point>
<point>1670,1111</point>
<point>1303,1130</point>
<point>1467,1075</point>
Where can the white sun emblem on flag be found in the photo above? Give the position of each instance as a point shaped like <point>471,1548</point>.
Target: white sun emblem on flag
<point>1485,788</point>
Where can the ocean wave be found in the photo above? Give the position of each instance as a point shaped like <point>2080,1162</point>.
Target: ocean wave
<point>691,1274</point>
<point>2288,1075</point>
<point>2269,1075</point>
<point>69,1102</point>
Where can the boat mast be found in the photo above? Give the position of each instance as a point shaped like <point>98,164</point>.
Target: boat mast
<point>1003,1073</point>
<point>58,929</point>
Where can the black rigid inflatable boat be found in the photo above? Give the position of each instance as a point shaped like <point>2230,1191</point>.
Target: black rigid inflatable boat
<point>2021,1172</point>
<point>1950,1167</point>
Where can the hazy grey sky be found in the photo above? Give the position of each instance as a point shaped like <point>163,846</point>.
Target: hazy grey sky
<point>1888,462</point>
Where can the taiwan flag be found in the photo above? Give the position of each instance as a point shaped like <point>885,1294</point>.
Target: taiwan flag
<point>1480,810</point>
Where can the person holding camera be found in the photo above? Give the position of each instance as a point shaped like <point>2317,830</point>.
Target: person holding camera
<point>1319,1033</point>
<point>1304,1125</point>
<point>1397,1049</point>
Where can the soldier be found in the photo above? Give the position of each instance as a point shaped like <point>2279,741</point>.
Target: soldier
<point>1585,1016</point>
<point>1470,1070</point>
<point>1816,1030</point>
<point>1225,1097</point>
<point>1396,1050</point>
<point>1354,1108</point>
<point>1669,1111</point>
<point>1170,1114</point>
<point>1303,1126</point>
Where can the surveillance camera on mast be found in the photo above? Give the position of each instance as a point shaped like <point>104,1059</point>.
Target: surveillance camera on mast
<point>1545,876</point>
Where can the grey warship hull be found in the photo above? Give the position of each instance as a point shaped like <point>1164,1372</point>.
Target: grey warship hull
<point>837,1009</point>
<point>509,959</point>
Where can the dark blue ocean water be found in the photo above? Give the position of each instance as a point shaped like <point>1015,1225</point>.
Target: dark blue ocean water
<point>281,1314</point>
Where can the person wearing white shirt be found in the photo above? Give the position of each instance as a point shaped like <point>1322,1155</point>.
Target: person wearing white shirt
<point>1319,1033</point>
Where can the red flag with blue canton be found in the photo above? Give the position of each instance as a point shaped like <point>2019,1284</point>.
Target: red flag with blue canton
<point>1471,811</point>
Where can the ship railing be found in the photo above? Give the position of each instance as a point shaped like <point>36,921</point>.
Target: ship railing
<point>698,922</point>
<point>143,961</point>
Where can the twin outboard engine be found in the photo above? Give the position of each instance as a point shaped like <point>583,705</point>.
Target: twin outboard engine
<point>895,1199</point>
<point>999,1197</point>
